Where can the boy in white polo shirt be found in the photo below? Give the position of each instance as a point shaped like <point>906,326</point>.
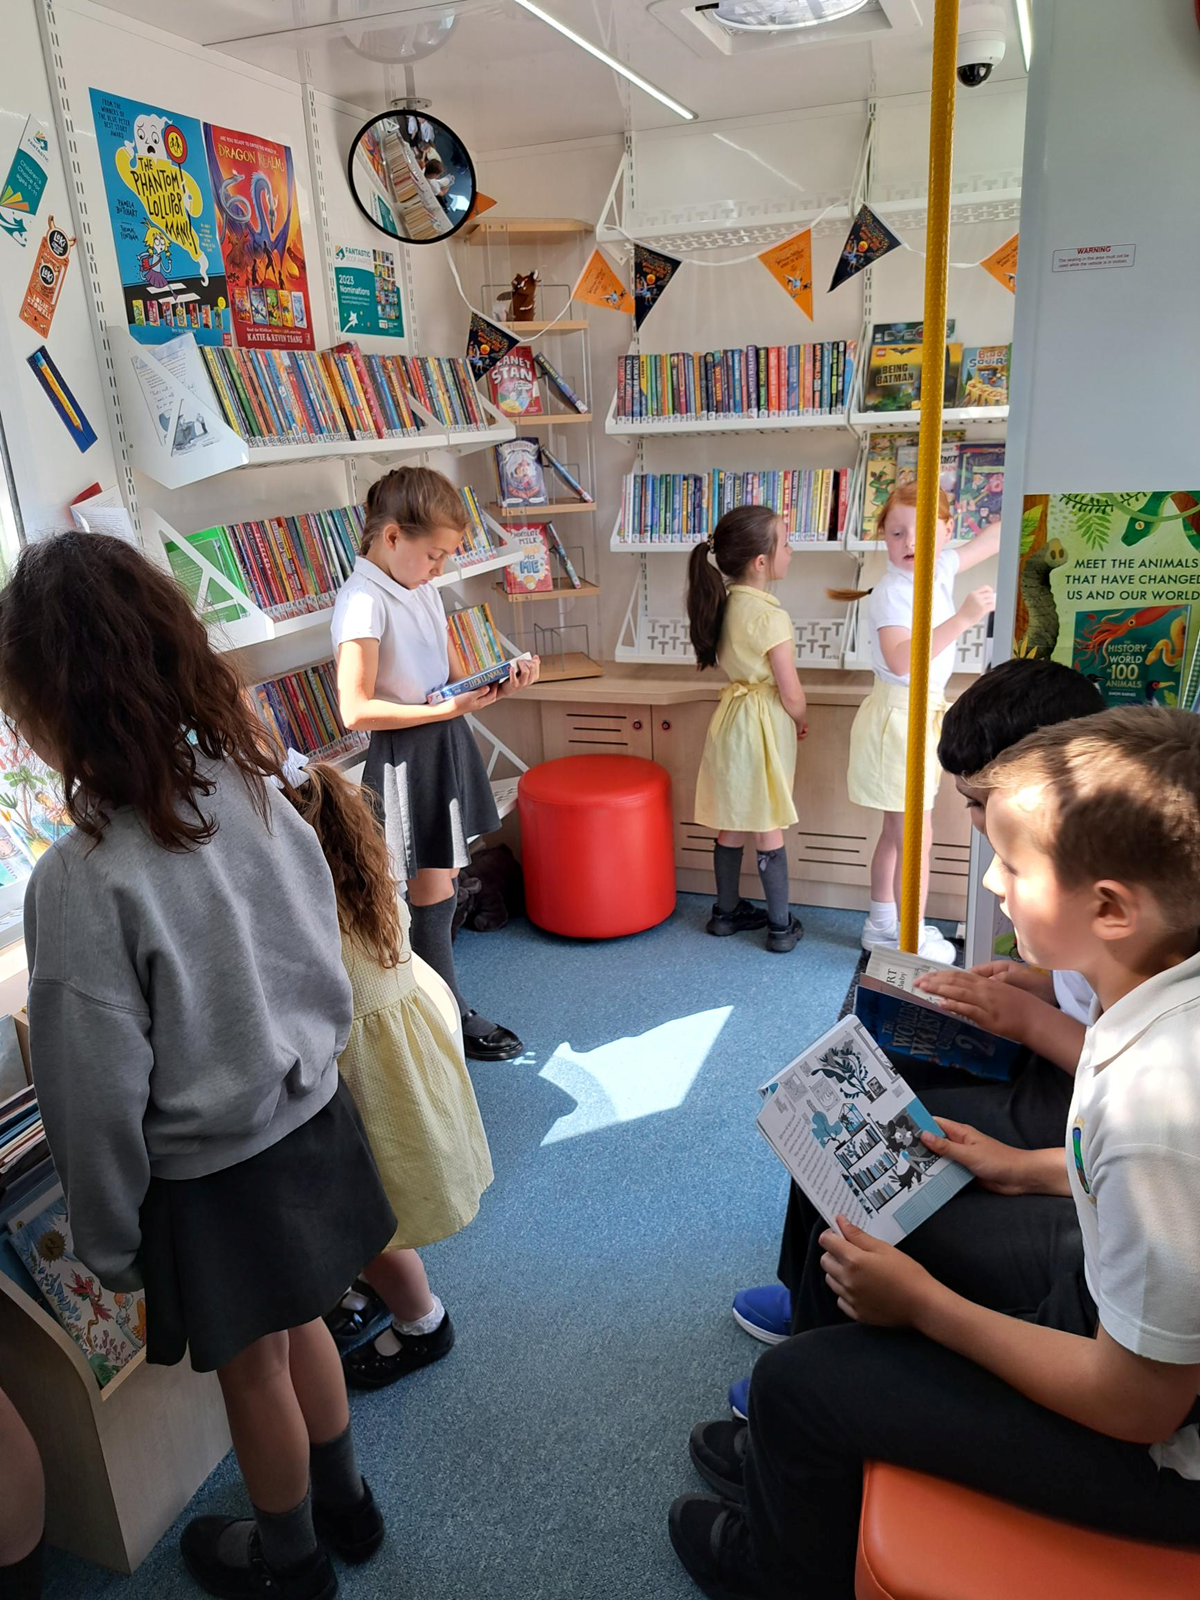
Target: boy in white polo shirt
<point>1085,1407</point>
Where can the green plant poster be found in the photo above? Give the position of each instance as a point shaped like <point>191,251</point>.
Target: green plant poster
<point>1110,584</point>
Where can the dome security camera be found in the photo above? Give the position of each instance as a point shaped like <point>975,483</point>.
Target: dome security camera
<point>980,41</point>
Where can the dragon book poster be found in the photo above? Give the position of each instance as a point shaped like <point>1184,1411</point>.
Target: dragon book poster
<point>254,191</point>
<point>164,222</point>
<point>1110,584</point>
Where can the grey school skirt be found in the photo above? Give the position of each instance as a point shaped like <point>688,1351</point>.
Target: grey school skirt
<point>432,792</point>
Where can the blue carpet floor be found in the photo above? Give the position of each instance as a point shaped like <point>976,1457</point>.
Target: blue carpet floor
<point>633,1197</point>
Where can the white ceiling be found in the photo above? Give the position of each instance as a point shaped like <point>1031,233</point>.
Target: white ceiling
<point>504,79</point>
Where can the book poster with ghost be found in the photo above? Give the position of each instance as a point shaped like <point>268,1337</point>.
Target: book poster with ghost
<point>254,190</point>
<point>163,219</point>
<point>1110,584</point>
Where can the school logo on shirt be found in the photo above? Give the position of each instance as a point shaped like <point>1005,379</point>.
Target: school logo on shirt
<point>1077,1150</point>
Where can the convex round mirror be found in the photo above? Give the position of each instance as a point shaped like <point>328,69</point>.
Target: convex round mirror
<point>412,177</point>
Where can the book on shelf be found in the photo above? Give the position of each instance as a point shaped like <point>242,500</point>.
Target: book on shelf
<point>752,381</point>
<point>565,477</point>
<point>683,507</point>
<point>519,473</point>
<point>532,574</point>
<point>905,332</point>
<point>980,488</point>
<point>304,396</point>
<point>848,1128</point>
<point>983,378</point>
<point>110,1328</point>
<point>556,380</point>
<point>477,542</point>
<point>894,377</point>
<point>908,1023</point>
<point>1133,668</point>
<point>301,709</point>
<point>892,462</point>
<point>23,1146</point>
<point>288,566</point>
<point>477,652</point>
<point>561,556</point>
<point>444,386</point>
<point>948,473</point>
<point>513,382</point>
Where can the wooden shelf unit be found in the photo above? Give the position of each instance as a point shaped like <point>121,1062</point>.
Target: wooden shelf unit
<point>574,664</point>
<point>558,508</point>
<point>533,230</point>
<point>560,591</point>
<point>555,419</point>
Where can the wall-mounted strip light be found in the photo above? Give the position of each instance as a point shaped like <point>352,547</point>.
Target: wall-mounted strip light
<point>1025,29</point>
<point>609,61</point>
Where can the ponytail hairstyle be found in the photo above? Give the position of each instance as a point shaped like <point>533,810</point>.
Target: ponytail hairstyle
<point>344,822</point>
<point>417,499</point>
<point>904,494</point>
<point>739,538</point>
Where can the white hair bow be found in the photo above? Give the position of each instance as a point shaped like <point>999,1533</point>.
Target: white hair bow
<point>294,770</point>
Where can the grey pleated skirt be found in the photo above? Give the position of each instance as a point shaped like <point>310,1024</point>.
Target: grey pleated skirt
<point>432,792</point>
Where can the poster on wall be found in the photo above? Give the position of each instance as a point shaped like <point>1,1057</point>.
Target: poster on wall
<point>254,190</point>
<point>368,292</point>
<point>1110,584</point>
<point>46,280</point>
<point>163,221</point>
<point>28,174</point>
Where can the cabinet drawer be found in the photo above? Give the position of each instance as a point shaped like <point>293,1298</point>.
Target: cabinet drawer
<point>594,730</point>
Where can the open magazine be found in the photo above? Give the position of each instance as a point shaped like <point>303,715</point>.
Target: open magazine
<point>910,1023</point>
<point>848,1129</point>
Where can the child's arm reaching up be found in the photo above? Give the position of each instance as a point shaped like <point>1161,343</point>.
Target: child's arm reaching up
<point>783,665</point>
<point>979,548</point>
<point>1011,1010</point>
<point>896,643</point>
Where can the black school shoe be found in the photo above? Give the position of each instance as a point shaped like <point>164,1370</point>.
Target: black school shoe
<point>365,1368</point>
<point>718,1452</point>
<point>781,940</point>
<point>501,1044</point>
<point>744,918</point>
<point>353,1533</point>
<point>350,1326</point>
<point>313,1579</point>
<point>712,1540</point>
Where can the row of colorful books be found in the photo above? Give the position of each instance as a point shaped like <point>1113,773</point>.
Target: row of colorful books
<point>972,476</point>
<point>533,573</point>
<point>287,565</point>
<point>301,396</point>
<point>474,638</point>
<point>301,709</point>
<point>792,380</point>
<point>521,474</point>
<point>514,384</point>
<point>477,542</point>
<point>23,1147</point>
<point>682,507</point>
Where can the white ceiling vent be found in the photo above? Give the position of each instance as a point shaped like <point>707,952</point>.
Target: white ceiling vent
<point>737,27</point>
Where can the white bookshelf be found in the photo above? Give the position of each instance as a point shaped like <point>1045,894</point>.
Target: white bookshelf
<point>992,420</point>
<point>692,427</point>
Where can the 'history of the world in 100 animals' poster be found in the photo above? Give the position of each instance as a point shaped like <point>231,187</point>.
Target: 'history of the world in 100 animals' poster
<point>163,222</point>
<point>254,189</point>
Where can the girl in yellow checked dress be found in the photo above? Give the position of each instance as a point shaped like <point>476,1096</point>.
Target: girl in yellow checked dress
<point>749,760</point>
<point>403,1065</point>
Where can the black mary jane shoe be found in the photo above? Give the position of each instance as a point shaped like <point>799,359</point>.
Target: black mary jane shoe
<point>744,918</point>
<point>712,1540</point>
<point>313,1579</point>
<point>782,940</point>
<point>353,1533</point>
<point>350,1324</point>
<point>718,1452</point>
<point>365,1368</point>
<point>501,1044</point>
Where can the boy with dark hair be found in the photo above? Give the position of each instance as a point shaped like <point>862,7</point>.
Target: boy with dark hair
<point>1044,1011</point>
<point>1087,1407</point>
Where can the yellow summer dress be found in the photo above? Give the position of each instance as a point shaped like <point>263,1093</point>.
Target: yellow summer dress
<point>405,1071</point>
<point>749,761</point>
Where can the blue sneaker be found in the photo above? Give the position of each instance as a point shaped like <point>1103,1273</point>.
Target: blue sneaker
<point>765,1314</point>
<point>739,1399</point>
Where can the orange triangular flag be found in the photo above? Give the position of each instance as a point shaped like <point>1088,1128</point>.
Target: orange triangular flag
<point>790,264</point>
<point>482,202</point>
<point>599,285</point>
<point>1002,264</point>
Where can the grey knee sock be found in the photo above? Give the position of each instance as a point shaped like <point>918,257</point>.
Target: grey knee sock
<point>727,864</point>
<point>430,938</point>
<point>336,1480</point>
<point>772,869</point>
<point>286,1538</point>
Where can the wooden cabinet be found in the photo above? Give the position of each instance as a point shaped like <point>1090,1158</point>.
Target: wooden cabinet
<point>828,851</point>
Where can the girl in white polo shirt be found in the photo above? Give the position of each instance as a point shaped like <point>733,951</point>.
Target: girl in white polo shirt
<point>423,766</point>
<point>879,736</point>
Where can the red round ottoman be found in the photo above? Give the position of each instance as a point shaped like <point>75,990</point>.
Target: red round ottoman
<point>596,845</point>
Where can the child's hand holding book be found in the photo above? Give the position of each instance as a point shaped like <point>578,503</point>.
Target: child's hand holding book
<point>1006,1005</point>
<point>874,1282</point>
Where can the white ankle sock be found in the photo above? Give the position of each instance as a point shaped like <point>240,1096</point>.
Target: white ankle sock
<point>882,913</point>
<point>388,1344</point>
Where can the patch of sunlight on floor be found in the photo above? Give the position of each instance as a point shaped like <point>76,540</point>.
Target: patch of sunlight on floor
<point>631,1078</point>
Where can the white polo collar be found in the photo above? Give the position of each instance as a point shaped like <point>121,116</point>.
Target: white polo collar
<point>364,567</point>
<point>1113,1031</point>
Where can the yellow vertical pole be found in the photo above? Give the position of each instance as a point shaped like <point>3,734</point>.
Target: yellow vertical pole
<point>929,450</point>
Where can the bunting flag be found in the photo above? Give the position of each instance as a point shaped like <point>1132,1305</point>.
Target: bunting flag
<point>790,264</point>
<point>487,344</point>
<point>867,240</point>
<point>1002,264</point>
<point>652,272</point>
<point>481,203</point>
<point>599,285</point>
